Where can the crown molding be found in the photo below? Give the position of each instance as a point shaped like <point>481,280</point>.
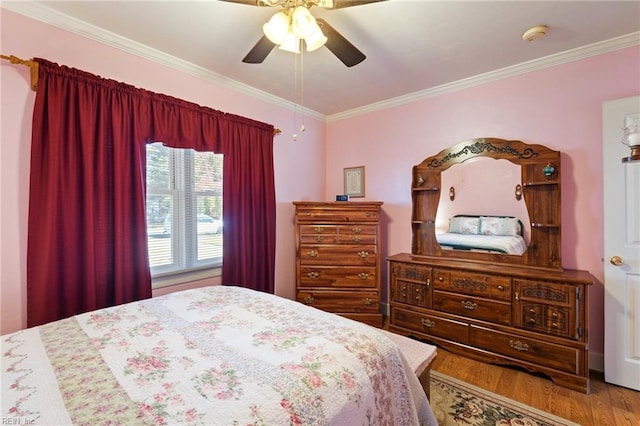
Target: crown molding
<point>49,16</point>
<point>572,55</point>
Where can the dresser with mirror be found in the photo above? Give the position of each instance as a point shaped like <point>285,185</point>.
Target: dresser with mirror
<point>484,277</point>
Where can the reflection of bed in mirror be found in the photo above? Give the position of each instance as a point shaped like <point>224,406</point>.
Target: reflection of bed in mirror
<point>484,187</point>
<point>484,234</point>
<point>515,306</point>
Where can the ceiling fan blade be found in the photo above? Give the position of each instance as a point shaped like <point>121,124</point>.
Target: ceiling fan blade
<point>340,46</point>
<point>260,51</point>
<point>341,4</point>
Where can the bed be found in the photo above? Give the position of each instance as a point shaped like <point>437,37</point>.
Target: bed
<point>219,355</point>
<point>491,234</point>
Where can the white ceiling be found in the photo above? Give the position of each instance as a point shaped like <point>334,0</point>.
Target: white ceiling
<point>411,45</point>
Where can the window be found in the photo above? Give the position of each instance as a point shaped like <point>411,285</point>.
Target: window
<point>184,210</point>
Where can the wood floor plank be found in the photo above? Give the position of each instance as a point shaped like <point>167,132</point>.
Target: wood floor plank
<point>606,405</point>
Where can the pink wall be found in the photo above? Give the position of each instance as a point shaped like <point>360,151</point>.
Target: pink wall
<point>560,107</point>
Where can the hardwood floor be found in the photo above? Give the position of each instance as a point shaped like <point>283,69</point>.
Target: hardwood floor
<point>605,405</point>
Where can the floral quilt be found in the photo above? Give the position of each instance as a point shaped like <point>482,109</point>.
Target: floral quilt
<point>218,355</point>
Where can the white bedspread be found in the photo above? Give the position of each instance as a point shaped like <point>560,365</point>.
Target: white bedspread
<point>216,356</point>
<point>510,244</point>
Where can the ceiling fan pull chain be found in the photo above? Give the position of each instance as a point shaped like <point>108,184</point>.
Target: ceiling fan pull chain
<point>301,90</point>
<point>298,76</point>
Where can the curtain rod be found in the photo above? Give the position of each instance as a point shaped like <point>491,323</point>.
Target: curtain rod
<point>33,66</point>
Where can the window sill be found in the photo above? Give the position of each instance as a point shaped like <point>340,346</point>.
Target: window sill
<point>185,277</point>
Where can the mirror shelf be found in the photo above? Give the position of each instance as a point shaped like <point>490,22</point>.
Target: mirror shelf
<point>539,185</point>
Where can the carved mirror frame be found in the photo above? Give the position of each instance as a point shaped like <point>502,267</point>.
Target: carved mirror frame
<point>539,186</point>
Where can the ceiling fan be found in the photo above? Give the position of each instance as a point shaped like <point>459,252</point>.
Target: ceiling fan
<point>327,36</point>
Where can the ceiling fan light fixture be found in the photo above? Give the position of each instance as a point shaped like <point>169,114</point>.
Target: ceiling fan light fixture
<point>291,43</point>
<point>277,28</point>
<point>316,40</point>
<point>303,23</point>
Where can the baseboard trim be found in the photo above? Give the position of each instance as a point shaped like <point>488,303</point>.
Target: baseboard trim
<point>596,362</point>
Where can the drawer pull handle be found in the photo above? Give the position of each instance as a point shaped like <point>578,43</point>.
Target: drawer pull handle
<point>319,238</point>
<point>313,275</point>
<point>518,345</point>
<point>366,301</point>
<point>363,275</point>
<point>313,253</point>
<point>309,300</point>
<point>428,283</point>
<point>554,325</point>
<point>356,230</point>
<point>517,297</point>
<point>440,278</point>
<point>428,323</point>
<point>318,229</point>
<point>404,294</point>
<point>356,239</point>
<point>533,311</point>
<point>532,320</point>
<point>501,287</point>
<point>554,314</point>
<point>469,305</point>
<point>363,254</point>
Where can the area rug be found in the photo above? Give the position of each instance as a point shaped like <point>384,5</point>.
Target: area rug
<point>455,402</point>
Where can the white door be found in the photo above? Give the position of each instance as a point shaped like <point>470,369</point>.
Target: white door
<point>621,248</point>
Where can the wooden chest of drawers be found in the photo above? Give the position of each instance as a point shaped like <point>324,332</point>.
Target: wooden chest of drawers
<point>338,258</point>
<point>529,317</point>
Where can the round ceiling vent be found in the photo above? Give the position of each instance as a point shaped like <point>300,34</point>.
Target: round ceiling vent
<point>535,33</point>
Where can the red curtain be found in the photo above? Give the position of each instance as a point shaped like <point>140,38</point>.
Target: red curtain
<point>87,243</point>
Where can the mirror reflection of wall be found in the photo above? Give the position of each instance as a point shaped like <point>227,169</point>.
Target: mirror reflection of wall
<point>482,186</point>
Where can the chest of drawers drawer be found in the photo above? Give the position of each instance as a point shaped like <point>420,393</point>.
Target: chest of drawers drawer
<point>319,215</point>
<point>320,238</point>
<point>317,229</point>
<point>357,238</point>
<point>343,255</point>
<point>472,307</point>
<point>340,301</point>
<point>336,277</point>
<point>338,234</point>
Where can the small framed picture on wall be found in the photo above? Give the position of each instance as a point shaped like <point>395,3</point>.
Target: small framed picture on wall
<point>354,181</point>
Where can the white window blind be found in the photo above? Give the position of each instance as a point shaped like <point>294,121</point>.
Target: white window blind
<point>184,209</point>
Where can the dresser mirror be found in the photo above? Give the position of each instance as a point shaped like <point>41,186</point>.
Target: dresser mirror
<point>483,186</point>
<point>476,199</point>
